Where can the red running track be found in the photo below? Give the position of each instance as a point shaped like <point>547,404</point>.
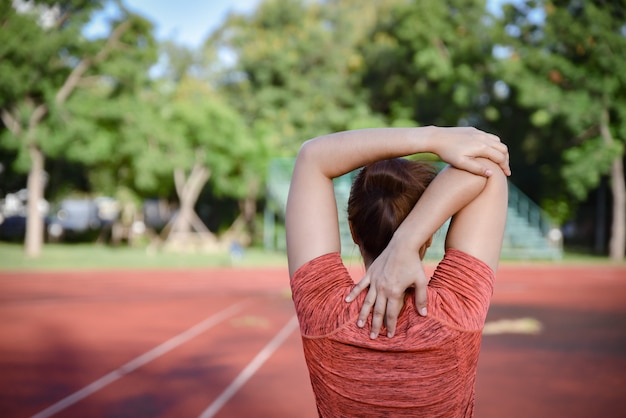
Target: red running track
<point>223,343</point>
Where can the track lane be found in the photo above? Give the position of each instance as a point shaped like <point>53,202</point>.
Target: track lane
<point>59,332</point>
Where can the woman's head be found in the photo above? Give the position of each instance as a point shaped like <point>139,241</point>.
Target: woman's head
<point>382,195</point>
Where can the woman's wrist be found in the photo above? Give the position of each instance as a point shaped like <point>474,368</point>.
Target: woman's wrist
<point>408,236</point>
<point>426,139</point>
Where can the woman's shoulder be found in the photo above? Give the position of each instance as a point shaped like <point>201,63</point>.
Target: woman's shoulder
<point>463,265</point>
<point>319,288</point>
<point>318,263</point>
<point>327,270</point>
<point>461,289</point>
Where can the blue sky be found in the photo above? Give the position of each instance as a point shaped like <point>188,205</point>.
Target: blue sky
<point>188,22</point>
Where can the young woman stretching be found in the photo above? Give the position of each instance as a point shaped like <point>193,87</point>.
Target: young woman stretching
<point>428,368</point>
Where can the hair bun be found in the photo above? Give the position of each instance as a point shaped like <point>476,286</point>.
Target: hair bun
<point>382,195</point>
<point>386,177</point>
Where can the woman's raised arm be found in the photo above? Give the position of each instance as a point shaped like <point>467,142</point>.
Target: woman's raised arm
<point>311,219</point>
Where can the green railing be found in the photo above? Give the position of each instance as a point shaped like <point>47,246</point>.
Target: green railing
<point>529,234</point>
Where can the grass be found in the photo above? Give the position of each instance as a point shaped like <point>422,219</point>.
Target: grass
<point>94,256</point>
<point>574,257</point>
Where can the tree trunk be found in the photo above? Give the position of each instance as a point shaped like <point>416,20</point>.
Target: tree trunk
<point>249,207</point>
<point>599,240</point>
<point>35,186</point>
<point>182,224</point>
<point>617,242</point>
<point>188,190</point>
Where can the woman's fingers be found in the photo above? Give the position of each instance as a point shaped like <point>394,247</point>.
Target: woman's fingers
<point>498,152</point>
<point>377,317</point>
<point>394,307</point>
<point>421,297</point>
<point>379,303</point>
<point>466,145</point>
<point>360,286</point>
<point>494,151</point>
<point>368,304</point>
<point>504,164</point>
<point>473,166</point>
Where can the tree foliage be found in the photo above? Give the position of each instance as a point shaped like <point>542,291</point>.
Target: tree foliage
<point>63,60</point>
<point>296,67</point>
<point>428,62</point>
<point>543,76</point>
<point>563,61</point>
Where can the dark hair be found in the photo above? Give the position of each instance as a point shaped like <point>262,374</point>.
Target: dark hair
<point>382,195</point>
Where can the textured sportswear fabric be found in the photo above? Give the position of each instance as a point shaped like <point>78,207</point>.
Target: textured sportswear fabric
<point>427,369</point>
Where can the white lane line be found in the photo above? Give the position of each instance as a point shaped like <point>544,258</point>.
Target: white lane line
<point>134,364</point>
<point>250,369</point>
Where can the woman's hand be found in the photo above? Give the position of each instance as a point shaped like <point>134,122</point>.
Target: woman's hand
<point>399,266</point>
<point>460,147</point>
<point>395,270</point>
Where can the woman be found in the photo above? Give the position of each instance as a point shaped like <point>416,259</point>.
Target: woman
<point>428,367</point>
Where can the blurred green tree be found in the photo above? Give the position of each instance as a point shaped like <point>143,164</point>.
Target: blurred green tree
<point>207,140</point>
<point>235,155</point>
<point>293,69</point>
<point>428,62</point>
<point>169,141</point>
<point>44,60</point>
<point>564,58</point>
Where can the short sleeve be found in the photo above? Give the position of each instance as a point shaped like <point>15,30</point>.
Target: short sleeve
<point>461,290</point>
<point>319,288</point>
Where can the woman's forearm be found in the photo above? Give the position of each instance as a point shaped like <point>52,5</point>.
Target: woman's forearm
<point>448,193</point>
<point>311,217</point>
<point>339,153</point>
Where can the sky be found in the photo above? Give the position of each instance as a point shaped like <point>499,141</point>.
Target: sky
<point>189,22</point>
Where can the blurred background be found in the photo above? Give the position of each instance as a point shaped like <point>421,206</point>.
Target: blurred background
<point>172,126</point>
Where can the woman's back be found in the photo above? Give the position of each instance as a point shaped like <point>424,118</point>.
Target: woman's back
<point>428,367</point>
<point>432,359</point>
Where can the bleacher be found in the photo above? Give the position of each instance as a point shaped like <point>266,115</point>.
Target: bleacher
<point>529,234</point>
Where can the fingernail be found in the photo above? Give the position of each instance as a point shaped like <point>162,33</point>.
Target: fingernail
<point>360,323</point>
<point>423,311</point>
<point>347,298</point>
<point>390,334</point>
<point>373,336</point>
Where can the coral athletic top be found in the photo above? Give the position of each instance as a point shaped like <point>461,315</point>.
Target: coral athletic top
<point>427,369</point>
